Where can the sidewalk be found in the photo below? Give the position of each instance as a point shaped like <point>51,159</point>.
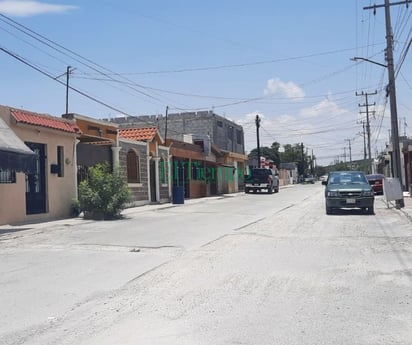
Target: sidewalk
<point>407,210</point>
<point>7,228</point>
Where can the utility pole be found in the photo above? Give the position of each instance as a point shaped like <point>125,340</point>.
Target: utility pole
<point>311,164</point>
<point>396,156</point>
<point>404,127</point>
<point>364,145</point>
<point>167,110</point>
<point>350,153</point>
<point>368,128</point>
<point>344,155</point>
<point>303,159</point>
<point>257,121</point>
<point>69,70</point>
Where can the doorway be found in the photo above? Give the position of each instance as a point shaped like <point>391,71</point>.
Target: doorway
<point>36,182</point>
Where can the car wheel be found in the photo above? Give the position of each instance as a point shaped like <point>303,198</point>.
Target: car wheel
<point>277,190</point>
<point>371,210</point>
<point>247,191</point>
<point>328,210</point>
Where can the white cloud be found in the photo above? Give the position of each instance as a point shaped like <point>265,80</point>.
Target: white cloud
<point>323,108</point>
<point>23,8</point>
<point>278,87</point>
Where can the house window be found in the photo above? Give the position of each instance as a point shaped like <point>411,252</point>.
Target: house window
<point>133,167</point>
<point>7,176</point>
<point>200,143</point>
<point>239,136</point>
<point>230,132</point>
<point>197,171</point>
<point>219,123</point>
<point>60,160</point>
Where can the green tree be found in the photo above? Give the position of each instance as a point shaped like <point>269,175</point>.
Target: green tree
<point>104,194</point>
<point>271,153</point>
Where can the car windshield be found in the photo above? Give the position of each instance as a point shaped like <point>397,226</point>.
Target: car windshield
<point>262,172</point>
<point>347,178</point>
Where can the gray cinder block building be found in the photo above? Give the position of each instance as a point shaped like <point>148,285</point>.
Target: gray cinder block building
<point>222,132</point>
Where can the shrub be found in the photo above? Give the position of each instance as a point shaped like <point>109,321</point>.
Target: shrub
<point>103,195</point>
<point>75,208</point>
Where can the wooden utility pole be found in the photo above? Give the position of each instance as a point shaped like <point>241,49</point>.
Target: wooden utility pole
<point>167,110</point>
<point>350,153</point>
<point>364,145</point>
<point>368,127</point>
<point>257,121</point>
<point>68,71</point>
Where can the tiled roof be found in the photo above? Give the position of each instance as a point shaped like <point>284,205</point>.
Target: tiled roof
<point>139,134</point>
<point>43,120</point>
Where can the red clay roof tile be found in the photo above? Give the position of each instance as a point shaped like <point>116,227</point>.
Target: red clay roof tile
<point>139,134</point>
<point>44,121</point>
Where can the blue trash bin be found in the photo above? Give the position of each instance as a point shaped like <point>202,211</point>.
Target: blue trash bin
<point>178,196</point>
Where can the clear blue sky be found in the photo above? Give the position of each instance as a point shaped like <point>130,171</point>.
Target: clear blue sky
<point>288,61</point>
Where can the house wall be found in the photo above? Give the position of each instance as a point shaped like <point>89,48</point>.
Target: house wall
<point>197,189</point>
<point>285,177</point>
<point>13,202</point>
<point>60,191</point>
<point>90,154</point>
<point>93,127</point>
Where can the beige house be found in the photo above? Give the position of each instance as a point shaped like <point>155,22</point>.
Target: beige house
<point>47,190</point>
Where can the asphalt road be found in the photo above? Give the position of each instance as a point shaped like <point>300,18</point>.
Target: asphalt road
<point>243,269</point>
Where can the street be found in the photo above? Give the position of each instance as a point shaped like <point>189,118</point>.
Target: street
<point>239,269</point>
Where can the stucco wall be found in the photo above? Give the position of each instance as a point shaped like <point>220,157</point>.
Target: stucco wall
<point>60,191</point>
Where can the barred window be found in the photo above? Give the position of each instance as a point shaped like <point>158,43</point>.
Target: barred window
<point>7,176</point>
<point>197,171</point>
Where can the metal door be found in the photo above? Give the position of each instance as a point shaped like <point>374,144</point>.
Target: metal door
<point>36,182</point>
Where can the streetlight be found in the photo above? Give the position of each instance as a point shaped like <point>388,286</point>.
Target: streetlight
<point>396,156</point>
<point>356,58</point>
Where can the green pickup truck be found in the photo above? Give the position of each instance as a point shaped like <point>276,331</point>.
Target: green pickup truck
<point>262,179</point>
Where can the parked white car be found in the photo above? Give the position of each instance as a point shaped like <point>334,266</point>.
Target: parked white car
<point>309,179</point>
<point>323,178</point>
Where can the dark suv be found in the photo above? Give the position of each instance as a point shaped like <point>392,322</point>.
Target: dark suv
<point>348,189</point>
